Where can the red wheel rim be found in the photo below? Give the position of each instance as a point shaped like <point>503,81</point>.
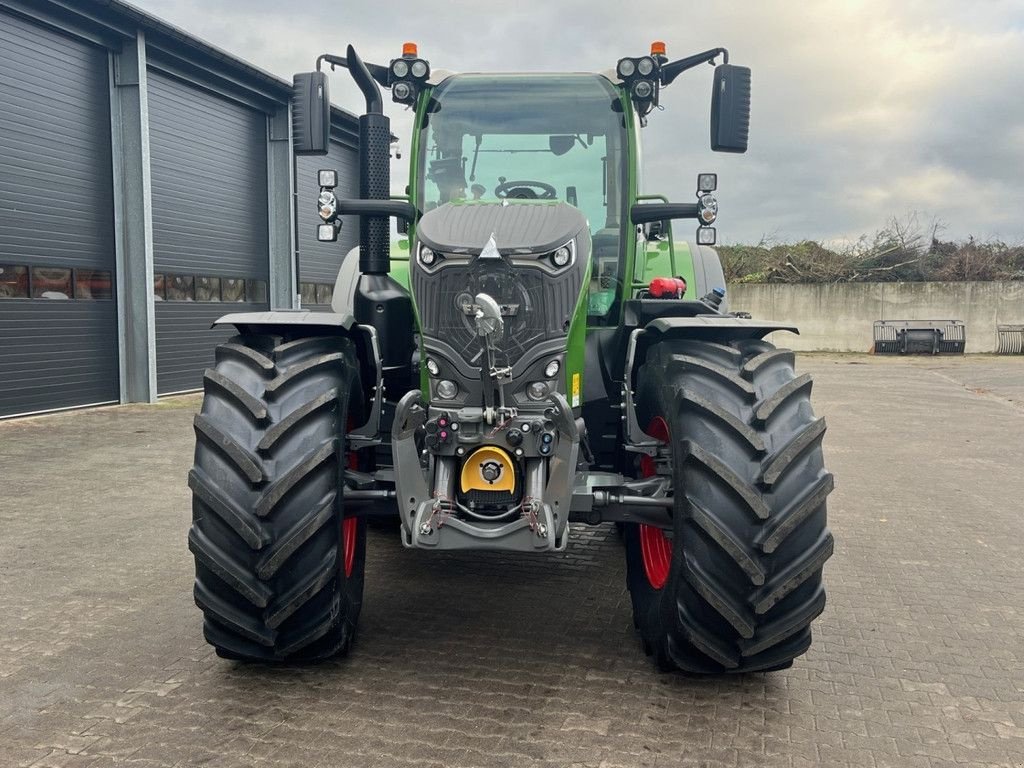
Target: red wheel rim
<point>348,542</point>
<point>349,527</point>
<point>655,546</point>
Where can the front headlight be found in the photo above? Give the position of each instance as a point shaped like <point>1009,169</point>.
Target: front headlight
<point>427,256</point>
<point>447,389</point>
<point>537,390</point>
<point>707,209</point>
<point>328,205</point>
<point>561,256</point>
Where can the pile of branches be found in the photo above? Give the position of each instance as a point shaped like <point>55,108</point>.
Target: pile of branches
<point>903,251</point>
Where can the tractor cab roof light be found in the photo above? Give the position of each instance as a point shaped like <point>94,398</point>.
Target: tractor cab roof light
<point>414,69</point>
<point>643,90</point>
<point>407,75</point>
<point>629,69</point>
<point>403,92</point>
<point>420,69</point>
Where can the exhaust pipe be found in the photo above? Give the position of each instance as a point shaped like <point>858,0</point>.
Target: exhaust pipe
<point>380,301</point>
<point>374,170</point>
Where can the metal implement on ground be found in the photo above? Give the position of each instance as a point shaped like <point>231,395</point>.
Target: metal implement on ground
<point>537,350</point>
<point>920,337</point>
<point>1009,339</point>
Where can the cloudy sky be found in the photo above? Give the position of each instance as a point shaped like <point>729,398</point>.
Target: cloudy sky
<point>862,110</point>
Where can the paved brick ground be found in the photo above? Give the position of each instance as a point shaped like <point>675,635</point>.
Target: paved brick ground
<point>492,661</point>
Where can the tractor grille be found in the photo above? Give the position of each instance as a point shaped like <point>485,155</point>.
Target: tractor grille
<point>536,306</point>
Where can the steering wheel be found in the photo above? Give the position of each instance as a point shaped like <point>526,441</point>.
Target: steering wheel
<point>521,190</point>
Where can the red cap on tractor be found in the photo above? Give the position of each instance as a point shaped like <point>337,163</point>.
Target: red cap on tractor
<point>667,288</point>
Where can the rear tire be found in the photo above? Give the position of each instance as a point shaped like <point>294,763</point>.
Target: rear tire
<point>279,571</point>
<point>749,538</point>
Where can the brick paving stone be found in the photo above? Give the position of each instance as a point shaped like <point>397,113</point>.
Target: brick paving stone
<point>494,660</point>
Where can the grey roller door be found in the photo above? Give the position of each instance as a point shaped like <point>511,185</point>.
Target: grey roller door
<point>319,262</point>
<point>208,161</point>
<point>58,316</point>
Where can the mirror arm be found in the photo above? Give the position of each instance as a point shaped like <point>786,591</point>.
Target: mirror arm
<point>334,61</point>
<point>671,71</point>
<point>377,72</point>
<point>645,213</point>
<point>399,209</point>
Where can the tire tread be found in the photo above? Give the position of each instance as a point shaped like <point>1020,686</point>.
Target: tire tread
<point>751,535</point>
<point>266,532</point>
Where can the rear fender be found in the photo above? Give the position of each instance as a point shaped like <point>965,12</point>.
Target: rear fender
<point>304,322</point>
<point>720,328</point>
<point>707,272</point>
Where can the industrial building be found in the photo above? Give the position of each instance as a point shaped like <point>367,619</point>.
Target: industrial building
<point>147,182</point>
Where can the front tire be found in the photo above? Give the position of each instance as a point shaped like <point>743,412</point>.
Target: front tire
<point>736,583</point>
<point>279,570</point>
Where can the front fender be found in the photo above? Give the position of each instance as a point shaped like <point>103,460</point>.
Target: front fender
<point>305,323</point>
<point>713,328</point>
<point>287,319</point>
<point>720,328</point>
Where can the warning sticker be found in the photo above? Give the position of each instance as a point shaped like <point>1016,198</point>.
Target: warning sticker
<point>575,390</point>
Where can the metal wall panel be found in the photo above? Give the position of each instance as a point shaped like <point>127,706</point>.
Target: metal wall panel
<point>185,341</point>
<point>319,262</point>
<point>56,354</point>
<point>208,160</point>
<point>56,211</point>
<point>209,180</point>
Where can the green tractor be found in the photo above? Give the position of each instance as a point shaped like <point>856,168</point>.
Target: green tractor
<point>538,352</point>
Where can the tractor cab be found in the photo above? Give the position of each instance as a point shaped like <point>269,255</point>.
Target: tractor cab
<point>488,139</point>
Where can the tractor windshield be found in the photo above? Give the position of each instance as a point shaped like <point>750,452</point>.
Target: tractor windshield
<point>546,137</point>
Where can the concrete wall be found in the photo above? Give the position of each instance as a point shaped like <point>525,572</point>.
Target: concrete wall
<point>838,318</point>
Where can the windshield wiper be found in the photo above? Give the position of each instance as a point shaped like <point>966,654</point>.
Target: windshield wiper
<point>476,154</point>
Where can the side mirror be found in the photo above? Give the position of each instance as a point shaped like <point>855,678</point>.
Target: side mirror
<point>311,113</point>
<point>730,108</point>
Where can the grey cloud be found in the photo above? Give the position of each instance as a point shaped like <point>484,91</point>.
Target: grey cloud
<point>861,110</point>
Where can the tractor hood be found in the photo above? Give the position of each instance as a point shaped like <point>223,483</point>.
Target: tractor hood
<point>517,226</point>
